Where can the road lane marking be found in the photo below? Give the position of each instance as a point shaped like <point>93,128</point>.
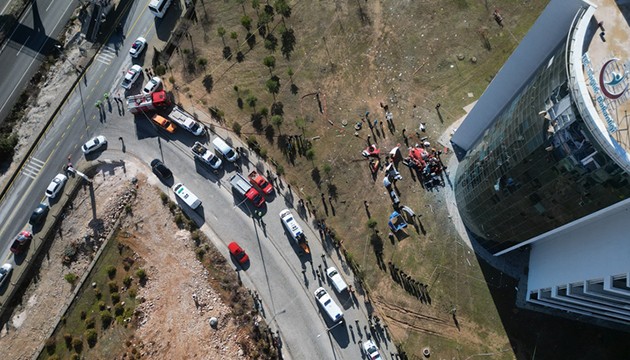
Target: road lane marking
<point>49,5</point>
<point>22,47</point>
<point>17,27</point>
<point>33,167</point>
<point>32,61</point>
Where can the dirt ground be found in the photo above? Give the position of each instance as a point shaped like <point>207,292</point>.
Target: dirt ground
<point>170,326</point>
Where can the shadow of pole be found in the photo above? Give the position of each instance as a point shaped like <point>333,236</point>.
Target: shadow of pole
<point>92,199</point>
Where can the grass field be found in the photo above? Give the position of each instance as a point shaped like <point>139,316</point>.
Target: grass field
<point>410,55</point>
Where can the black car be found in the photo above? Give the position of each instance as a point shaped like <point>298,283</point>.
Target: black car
<point>39,214</point>
<point>160,170</point>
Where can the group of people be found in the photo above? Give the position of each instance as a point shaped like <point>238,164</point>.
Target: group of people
<point>410,285</point>
<point>427,162</point>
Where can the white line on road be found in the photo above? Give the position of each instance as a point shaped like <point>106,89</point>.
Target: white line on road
<point>22,47</point>
<point>49,5</point>
<point>32,61</point>
<point>14,30</point>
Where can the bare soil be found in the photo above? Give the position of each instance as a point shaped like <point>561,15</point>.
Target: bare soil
<point>170,325</point>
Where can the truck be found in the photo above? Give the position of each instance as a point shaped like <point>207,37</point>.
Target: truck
<point>258,180</point>
<point>140,103</point>
<point>243,187</point>
<point>295,230</point>
<point>186,121</point>
<point>206,156</point>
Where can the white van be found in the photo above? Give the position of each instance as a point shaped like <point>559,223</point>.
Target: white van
<point>188,197</point>
<point>224,149</point>
<point>159,7</point>
<point>335,278</point>
<point>329,305</point>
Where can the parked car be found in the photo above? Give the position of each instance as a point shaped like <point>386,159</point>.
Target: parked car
<point>238,253</point>
<point>335,278</point>
<point>21,241</point>
<point>164,123</point>
<point>137,47</point>
<point>131,76</point>
<point>94,144</point>
<point>56,185</point>
<point>370,349</point>
<point>160,170</point>
<point>153,84</point>
<point>5,272</point>
<point>39,214</point>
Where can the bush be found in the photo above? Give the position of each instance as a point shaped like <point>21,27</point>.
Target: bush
<point>115,297</point>
<point>141,274</point>
<point>310,154</point>
<point>71,278</point>
<point>101,305</point>
<point>77,344</point>
<point>67,338</point>
<point>91,336</point>
<point>106,320</point>
<point>200,253</point>
<point>90,322</point>
<point>132,293</point>
<point>160,70</point>
<point>82,314</point>
<point>51,344</point>
<point>128,208</point>
<point>208,83</point>
<point>371,223</point>
<point>113,286</point>
<point>127,281</point>
<point>75,357</point>
<point>118,310</point>
<point>97,293</point>
<point>236,127</point>
<point>111,271</point>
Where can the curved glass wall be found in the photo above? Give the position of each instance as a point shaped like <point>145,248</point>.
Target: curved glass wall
<point>537,167</point>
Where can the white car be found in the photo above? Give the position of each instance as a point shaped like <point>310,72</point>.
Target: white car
<point>291,225</point>
<point>5,271</point>
<point>330,306</point>
<point>94,144</point>
<point>371,350</point>
<point>55,185</point>
<point>335,278</point>
<point>131,76</point>
<point>153,84</point>
<point>137,47</point>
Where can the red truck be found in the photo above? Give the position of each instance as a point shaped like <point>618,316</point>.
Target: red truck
<point>137,104</point>
<point>240,184</point>
<point>258,180</point>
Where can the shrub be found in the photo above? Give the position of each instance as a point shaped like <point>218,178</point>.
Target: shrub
<point>115,297</point>
<point>160,70</point>
<point>71,278</point>
<point>91,337</point>
<point>106,320</point>
<point>127,281</point>
<point>132,293</point>
<point>371,223</point>
<point>67,338</point>
<point>90,322</point>
<point>141,274</point>
<point>51,344</point>
<point>164,198</point>
<point>101,305</point>
<point>128,208</point>
<point>236,127</point>
<point>113,286</point>
<point>111,271</point>
<point>82,314</point>
<point>97,293</point>
<point>75,357</point>
<point>310,154</point>
<point>118,310</point>
<point>200,253</point>
<point>77,344</point>
<point>280,169</point>
<point>208,83</point>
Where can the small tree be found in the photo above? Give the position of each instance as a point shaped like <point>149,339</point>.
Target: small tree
<point>202,62</point>
<point>71,278</point>
<point>111,271</point>
<point>273,86</point>
<point>91,336</point>
<point>282,8</point>
<point>270,63</point>
<point>208,83</point>
<point>256,5</point>
<point>221,32</point>
<point>290,73</point>
<point>246,21</point>
<point>251,101</point>
<point>310,154</point>
<point>236,127</point>
<point>141,274</point>
<point>277,121</point>
<point>234,36</point>
<point>371,223</point>
<point>327,169</point>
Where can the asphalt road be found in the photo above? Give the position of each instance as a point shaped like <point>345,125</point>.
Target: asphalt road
<point>275,269</point>
<point>21,55</point>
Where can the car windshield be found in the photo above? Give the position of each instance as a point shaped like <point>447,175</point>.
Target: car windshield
<point>137,44</point>
<point>3,272</point>
<point>230,154</point>
<point>258,199</point>
<point>333,273</point>
<point>194,127</point>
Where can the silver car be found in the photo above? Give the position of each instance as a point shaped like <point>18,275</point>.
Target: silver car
<point>131,76</point>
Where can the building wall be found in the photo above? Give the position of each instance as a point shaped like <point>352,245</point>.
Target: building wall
<point>537,167</point>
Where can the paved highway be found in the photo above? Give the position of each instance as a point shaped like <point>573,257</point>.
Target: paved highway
<point>276,268</point>
<point>22,54</point>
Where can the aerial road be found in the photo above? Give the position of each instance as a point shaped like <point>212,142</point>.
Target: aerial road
<point>284,280</point>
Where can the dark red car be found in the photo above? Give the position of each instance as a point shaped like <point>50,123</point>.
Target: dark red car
<point>238,253</point>
<point>21,241</point>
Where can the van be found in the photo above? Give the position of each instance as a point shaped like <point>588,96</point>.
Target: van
<point>330,306</point>
<point>335,278</point>
<point>188,197</point>
<point>159,7</point>
<point>224,149</point>
<point>291,225</point>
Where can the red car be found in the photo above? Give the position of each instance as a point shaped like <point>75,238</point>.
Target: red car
<point>258,180</point>
<point>238,253</point>
<point>21,241</point>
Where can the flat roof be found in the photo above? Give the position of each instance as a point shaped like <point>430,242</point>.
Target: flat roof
<point>605,66</point>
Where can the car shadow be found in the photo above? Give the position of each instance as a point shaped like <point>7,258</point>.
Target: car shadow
<point>208,172</point>
<point>197,216</point>
<point>238,265</point>
<point>19,258</point>
<point>93,155</point>
<point>6,283</point>
<point>340,332</point>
